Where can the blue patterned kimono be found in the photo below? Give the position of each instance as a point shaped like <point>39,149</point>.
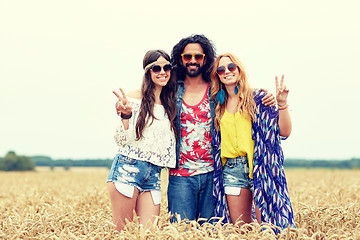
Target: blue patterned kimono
<point>270,187</point>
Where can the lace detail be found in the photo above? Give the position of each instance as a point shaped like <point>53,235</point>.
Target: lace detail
<point>158,144</point>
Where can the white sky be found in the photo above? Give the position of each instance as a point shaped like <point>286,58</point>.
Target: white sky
<point>60,61</point>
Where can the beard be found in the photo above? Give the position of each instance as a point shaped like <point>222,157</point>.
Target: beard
<point>193,72</point>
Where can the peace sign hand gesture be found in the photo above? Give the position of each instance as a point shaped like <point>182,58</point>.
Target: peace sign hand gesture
<point>281,91</point>
<point>122,105</point>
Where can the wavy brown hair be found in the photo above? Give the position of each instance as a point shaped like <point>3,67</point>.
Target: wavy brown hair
<point>247,106</point>
<point>209,51</point>
<point>167,96</point>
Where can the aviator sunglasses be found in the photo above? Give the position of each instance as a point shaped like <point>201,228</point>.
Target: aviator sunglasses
<point>188,56</point>
<point>157,68</point>
<point>221,70</point>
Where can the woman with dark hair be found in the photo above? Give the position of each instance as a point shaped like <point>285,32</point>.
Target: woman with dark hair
<point>146,138</point>
<point>250,145</point>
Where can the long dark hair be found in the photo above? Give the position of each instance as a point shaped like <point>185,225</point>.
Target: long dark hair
<point>167,95</point>
<point>208,48</point>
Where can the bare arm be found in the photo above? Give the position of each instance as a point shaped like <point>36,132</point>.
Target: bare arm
<point>284,115</point>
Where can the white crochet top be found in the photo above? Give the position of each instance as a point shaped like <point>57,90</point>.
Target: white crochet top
<point>158,145</point>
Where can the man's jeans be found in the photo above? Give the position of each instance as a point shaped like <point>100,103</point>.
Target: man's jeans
<point>191,197</point>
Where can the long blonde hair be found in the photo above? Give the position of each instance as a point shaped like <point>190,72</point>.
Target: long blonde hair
<point>247,104</point>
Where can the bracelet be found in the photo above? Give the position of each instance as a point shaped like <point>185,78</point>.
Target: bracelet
<point>282,107</point>
<point>124,116</point>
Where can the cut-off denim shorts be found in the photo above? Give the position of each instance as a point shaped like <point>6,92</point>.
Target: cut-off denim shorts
<point>127,173</point>
<point>236,175</point>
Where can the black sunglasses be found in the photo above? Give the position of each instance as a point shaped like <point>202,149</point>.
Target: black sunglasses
<point>221,70</point>
<point>157,68</point>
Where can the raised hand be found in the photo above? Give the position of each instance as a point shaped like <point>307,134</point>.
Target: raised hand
<point>122,105</point>
<point>281,91</point>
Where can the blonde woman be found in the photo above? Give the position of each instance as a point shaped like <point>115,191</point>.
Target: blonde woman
<point>248,142</point>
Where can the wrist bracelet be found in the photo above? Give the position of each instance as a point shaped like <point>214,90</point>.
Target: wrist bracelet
<point>283,107</point>
<point>124,116</point>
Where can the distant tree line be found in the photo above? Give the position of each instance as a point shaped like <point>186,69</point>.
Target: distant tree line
<point>302,163</point>
<point>288,163</point>
<point>45,161</point>
<point>13,162</point>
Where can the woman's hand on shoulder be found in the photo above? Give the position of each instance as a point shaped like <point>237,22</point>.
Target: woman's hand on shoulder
<point>268,99</point>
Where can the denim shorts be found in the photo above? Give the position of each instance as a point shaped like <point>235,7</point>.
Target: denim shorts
<point>236,175</point>
<point>127,173</point>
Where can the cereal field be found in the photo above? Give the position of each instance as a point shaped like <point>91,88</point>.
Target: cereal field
<point>74,204</point>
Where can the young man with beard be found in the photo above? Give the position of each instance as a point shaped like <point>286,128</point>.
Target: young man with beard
<point>195,187</point>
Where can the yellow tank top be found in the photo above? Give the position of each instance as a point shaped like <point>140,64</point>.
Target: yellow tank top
<point>236,138</point>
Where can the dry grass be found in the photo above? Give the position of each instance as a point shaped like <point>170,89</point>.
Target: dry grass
<point>75,205</point>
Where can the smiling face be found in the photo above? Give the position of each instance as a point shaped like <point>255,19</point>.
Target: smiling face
<point>228,77</point>
<point>193,67</point>
<point>160,79</point>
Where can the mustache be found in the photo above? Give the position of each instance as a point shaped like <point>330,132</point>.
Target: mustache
<point>192,64</point>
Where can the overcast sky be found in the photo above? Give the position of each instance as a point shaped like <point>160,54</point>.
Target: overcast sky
<point>60,61</point>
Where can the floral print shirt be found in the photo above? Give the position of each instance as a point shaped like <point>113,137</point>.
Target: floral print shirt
<point>195,151</point>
